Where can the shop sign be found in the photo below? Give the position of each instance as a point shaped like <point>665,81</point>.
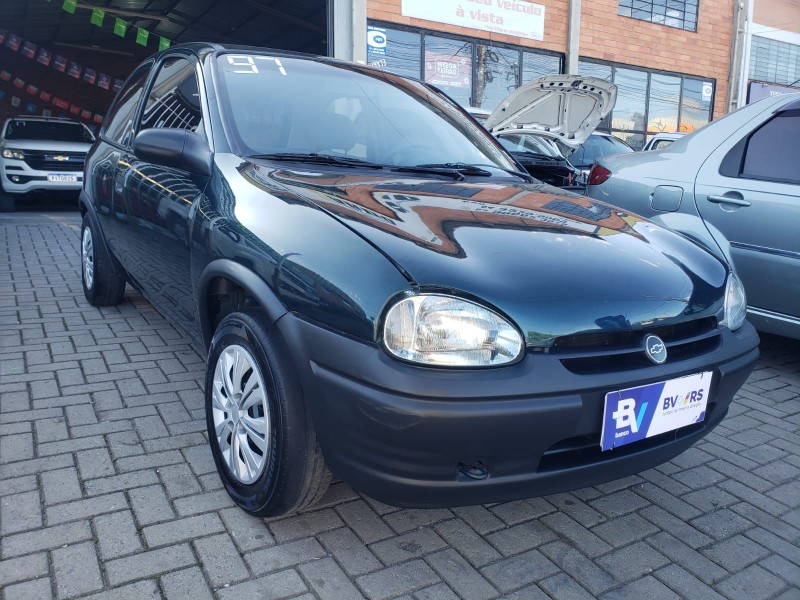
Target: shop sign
<point>517,18</point>
<point>758,91</point>
<point>376,40</point>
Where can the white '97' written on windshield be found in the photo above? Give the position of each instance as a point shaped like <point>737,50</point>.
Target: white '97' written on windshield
<point>247,64</point>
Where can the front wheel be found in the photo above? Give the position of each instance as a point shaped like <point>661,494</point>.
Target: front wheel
<point>102,284</point>
<point>262,440</point>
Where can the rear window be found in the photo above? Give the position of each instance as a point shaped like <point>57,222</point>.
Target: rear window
<point>20,129</point>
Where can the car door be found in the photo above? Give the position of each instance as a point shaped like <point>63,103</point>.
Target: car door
<point>160,200</point>
<point>749,190</point>
<point>100,176</point>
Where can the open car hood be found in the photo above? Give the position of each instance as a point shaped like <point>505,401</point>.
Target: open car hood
<point>565,107</point>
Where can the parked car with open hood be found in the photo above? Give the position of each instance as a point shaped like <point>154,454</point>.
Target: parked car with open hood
<point>380,293</point>
<point>732,185</point>
<point>546,120</point>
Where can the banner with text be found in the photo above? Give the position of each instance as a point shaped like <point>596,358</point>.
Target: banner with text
<point>518,18</point>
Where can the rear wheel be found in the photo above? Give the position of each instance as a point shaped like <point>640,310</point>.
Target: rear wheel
<point>102,284</point>
<point>262,440</point>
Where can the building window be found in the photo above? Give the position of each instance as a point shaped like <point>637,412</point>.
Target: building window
<point>772,61</point>
<point>672,13</point>
<point>472,72</point>
<point>651,102</point>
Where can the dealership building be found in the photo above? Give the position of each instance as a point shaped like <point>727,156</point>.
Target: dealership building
<point>677,64</point>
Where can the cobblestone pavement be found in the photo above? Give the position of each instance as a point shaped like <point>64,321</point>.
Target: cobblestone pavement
<point>108,490</point>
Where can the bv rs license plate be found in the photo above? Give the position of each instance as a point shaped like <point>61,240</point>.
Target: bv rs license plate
<point>637,413</point>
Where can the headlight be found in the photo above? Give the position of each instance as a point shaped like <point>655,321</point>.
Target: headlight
<point>11,153</point>
<point>449,332</point>
<point>735,303</point>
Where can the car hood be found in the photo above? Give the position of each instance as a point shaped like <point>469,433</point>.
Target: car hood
<point>556,264</point>
<point>563,107</point>
<point>46,145</point>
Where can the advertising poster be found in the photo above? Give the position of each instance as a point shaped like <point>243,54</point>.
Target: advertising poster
<point>448,70</point>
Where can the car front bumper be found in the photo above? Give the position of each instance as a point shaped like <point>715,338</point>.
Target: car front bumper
<point>19,178</point>
<point>405,435</point>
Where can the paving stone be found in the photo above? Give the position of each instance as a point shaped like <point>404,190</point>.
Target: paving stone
<point>683,531</point>
<point>20,512</point>
<point>283,556</point>
<point>647,587</point>
<point>462,577</point>
<point>479,518</point>
<point>305,525</point>
<point>619,503</point>
<point>349,551</point>
<point>141,590</point>
<point>519,538</point>
<point>754,583</point>
<point>624,530</point>
<point>61,486</point>
<point>186,583</point>
<point>685,584</point>
<point>585,571</point>
<point>632,561</point>
<point>408,519</point>
<point>147,564</point>
<point>519,570</point>
<point>117,535</point>
<point>116,483</point>
<point>563,587</point>
<point>364,521</point>
<point>721,524</point>
<point>440,591</point>
<point>687,557</point>
<point>248,532</point>
<point>17,485</point>
<point>95,463</point>
<point>179,480</point>
<point>329,581</point>
<point>585,541</point>
<point>781,567</point>
<point>573,507</point>
<point>520,511</point>
<point>82,509</point>
<point>199,503</point>
<point>35,466</point>
<point>735,553</point>
<point>38,589</point>
<point>410,545</point>
<point>24,567</point>
<point>467,542</point>
<point>150,505</point>
<point>45,539</point>
<point>76,570</point>
<point>221,560</point>
<point>400,579</point>
<point>285,584</point>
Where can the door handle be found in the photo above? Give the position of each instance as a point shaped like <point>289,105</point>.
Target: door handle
<point>728,200</point>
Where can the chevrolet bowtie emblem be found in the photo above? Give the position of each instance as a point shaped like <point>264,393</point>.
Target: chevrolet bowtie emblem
<point>60,157</point>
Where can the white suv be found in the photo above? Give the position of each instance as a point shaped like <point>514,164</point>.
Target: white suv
<point>42,153</point>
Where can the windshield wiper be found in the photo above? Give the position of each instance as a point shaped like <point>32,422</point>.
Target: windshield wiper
<point>455,170</point>
<point>320,159</point>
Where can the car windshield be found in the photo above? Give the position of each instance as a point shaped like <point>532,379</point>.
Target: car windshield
<point>526,142</point>
<point>300,106</point>
<point>22,129</point>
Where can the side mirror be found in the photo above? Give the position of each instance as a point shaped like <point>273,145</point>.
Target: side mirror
<point>176,148</point>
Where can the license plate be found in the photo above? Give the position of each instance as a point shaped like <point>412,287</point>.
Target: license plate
<point>62,178</point>
<point>641,412</point>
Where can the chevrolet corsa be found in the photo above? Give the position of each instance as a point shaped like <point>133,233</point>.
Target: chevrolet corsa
<point>381,294</point>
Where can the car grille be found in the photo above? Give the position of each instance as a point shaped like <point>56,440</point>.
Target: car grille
<point>47,161</point>
<point>615,351</point>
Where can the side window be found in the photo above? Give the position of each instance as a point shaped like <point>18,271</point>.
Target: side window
<point>174,100</point>
<point>771,152</point>
<point>119,121</point>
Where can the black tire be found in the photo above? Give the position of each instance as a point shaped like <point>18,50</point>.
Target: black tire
<point>106,286</point>
<point>293,475</point>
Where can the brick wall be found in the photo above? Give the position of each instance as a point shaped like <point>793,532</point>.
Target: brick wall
<point>706,53</point>
<point>607,36</point>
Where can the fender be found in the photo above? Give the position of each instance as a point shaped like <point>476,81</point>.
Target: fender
<point>100,244</point>
<point>242,276</point>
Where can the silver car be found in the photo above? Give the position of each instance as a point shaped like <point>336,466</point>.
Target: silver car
<point>733,186</point>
